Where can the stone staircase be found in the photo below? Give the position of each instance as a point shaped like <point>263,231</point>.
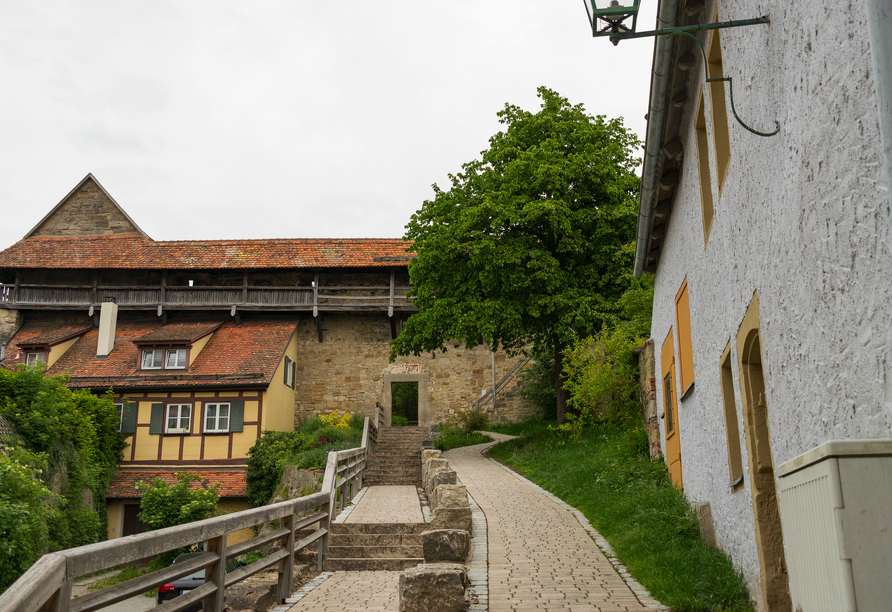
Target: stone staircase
<point>374,546</point>
<point>397,458</point>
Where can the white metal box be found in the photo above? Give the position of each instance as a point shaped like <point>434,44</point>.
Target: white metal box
<point>836,513</point>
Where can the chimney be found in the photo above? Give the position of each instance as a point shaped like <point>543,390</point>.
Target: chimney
<point>108,319</point>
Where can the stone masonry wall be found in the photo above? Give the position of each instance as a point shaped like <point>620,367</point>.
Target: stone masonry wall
<point>346,371</point>
<point>648,390</point>
<point>89,212</point>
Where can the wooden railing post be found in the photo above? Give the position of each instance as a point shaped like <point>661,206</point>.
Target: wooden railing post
<point>286,565</point>
<point>216,574</point>
<point>328,486</point>
<point>61,599</point>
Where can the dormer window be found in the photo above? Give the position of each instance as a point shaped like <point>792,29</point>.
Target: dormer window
<point>32,358</point>
<point>168,359</point>
<point>151,359</point>
<point>176,359</point>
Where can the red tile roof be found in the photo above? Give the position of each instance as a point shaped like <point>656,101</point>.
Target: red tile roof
<point>245,354</point>
<point>135,252</point>
<point>232,479</point>
<point>178,332</point>
<point>42,335</point>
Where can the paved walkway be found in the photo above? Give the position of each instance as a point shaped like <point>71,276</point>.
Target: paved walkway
<point>539,552</point>
<point>387,504</point>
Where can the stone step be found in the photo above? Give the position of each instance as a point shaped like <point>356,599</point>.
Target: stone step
<point>369,565</point>
<point>374,539</point>
<point>374,552</point>
<point>379,528</point>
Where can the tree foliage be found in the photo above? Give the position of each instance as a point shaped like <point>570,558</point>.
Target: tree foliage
<point>68,441</point>
<point>532,242</point>
<point>165,505</point>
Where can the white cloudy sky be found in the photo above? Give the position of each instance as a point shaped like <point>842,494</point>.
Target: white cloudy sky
<point>269,119</point>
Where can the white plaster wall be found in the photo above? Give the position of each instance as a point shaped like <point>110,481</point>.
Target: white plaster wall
<point>804,220</point>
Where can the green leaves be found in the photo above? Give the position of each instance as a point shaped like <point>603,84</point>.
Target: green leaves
<point>166,505</point>
<point>528,246</point>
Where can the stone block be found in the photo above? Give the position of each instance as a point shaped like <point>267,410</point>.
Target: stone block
<point>430,465</point>
<point>704,517</point>
<point>451,545</point>
<point>430,454</point>
<point>439,587</point>
<point>453,518</point>
<point>449,496</point>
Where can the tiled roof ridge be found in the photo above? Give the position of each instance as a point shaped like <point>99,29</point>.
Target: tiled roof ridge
<point>210,241</point>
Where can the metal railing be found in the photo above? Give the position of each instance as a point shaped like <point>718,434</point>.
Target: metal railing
<point>47,584</point>
<point>500,386</point>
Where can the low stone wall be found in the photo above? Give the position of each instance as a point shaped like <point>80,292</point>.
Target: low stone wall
<point>648,393</point>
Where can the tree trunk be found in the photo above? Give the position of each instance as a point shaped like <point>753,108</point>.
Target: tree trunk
<point>561,393</point>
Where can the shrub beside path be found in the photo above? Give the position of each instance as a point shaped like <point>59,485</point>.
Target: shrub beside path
<point>541,552</point>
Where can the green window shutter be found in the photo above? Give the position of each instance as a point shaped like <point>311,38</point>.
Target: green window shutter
<point>128,423</point>
<point>286,370</point>
<point>236,416</point>
<point>293,374</point>
<point>156,425</point>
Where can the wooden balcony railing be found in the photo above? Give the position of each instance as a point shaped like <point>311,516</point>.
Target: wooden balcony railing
<point>47,584</point>
<point>325,298</point>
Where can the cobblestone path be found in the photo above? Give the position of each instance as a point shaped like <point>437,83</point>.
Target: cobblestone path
<point>541,554</point>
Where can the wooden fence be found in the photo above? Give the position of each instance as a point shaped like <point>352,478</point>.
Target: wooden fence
<point>47,584</point>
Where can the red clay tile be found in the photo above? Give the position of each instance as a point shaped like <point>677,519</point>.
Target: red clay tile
<point>232,480</point>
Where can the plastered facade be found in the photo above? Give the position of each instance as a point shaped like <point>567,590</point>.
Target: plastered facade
<point>803,221</point>
<point>346,371</point>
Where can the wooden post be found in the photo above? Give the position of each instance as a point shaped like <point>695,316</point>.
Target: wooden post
<point>216,574</point>
<point>390,308</point>
<point>316,295</point>
<point>331,474</point>
<point>245,289</point>
<point>286,565</point>
<point>60,601</point>
<point>94,298</point>
<point>163,287</point>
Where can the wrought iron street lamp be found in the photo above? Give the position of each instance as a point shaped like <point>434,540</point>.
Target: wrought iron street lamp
<point>618,19</point>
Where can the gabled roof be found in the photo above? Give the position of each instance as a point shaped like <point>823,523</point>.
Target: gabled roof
<point>134,252</point>
<point>185,333</point>
<point>236,355</point>
<point>100,213</point>
<point>232,480</point>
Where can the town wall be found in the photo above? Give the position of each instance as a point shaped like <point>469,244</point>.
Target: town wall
<point>346,371</point>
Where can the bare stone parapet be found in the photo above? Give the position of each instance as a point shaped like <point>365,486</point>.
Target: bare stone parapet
<point>450,545</point>
<point>448,499</point>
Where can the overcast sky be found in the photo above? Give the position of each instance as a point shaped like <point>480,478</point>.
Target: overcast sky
<point>281,119</point>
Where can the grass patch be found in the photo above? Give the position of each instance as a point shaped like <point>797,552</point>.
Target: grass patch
<point>632,503</point>
<point>126,574</point>
<point>522,428</point>
<point>456,437</point>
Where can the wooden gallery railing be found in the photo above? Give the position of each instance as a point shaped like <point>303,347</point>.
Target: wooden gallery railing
<point>47,584</point>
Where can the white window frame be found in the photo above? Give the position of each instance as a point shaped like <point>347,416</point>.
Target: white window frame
<point>175,353</point>
<point>180,419</point>
<point>217,417</point>
<point>151,352</point>
<point>32,359</point>
<point>120,407</point>
<point>290,372</point>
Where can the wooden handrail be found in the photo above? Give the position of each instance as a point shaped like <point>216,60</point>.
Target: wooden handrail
<point>47,584</point>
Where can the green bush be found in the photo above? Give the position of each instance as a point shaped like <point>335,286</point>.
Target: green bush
<point>473,420</point>
<point>399,420</point>
<point>27,508</point>
<point>167,505</point>
<point>266,459</point>
<point>538,383</point>
<point>311,425</point>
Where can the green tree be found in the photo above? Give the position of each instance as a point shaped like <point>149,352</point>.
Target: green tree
<point>532,243</point>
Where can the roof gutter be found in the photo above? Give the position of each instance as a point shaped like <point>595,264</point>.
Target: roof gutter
<point>656,114</point>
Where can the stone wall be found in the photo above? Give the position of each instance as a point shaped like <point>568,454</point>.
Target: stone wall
<point>87,212</point>
<point>346,371</point>
<point>648,390</point>
<point>10,322</point>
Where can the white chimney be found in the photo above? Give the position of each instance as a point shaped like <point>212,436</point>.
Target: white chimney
<point>108,319</point>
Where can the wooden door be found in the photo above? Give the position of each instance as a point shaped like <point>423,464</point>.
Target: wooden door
<point>670,411</point>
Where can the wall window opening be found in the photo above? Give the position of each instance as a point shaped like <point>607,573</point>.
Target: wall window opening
<point>179,417</point>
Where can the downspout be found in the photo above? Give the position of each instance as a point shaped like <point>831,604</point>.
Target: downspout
<point>656,114</point>
<point>879,25</point>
